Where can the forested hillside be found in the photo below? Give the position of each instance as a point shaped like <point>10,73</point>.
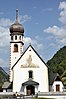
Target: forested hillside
<point>58,62</point>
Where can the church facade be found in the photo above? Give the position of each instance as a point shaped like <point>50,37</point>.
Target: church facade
<point>28,71</point>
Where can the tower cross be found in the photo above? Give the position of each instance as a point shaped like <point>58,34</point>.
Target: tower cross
<point>16,15</point>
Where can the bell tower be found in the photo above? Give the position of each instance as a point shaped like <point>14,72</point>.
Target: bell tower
<point>16,43</point>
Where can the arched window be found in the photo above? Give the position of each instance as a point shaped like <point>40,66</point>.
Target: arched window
<point>19,37</point>
<point>15,37</point>
<point>15,48</point>
<point>11,37</point>
<point>30,74</point>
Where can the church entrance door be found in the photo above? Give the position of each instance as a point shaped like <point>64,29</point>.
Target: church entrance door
<point>30,90</point>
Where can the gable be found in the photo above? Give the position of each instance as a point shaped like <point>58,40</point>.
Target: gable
<point>30,58</point>
<point>57,78</point>
<point>54,77</point>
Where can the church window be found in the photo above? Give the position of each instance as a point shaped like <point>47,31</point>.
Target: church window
<point>30,74</point>
<point>11,37</point>
<point>15,37</point>
<point>19,37</point>
<point>15,48</point>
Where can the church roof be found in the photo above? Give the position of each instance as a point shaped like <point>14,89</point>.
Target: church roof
<point>25,52</point>
<point>7,85</point>
<point>54,77</point>
<point>30,82</point>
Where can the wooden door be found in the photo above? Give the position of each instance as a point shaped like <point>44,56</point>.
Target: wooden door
<point>30,90</point>
<point>57,87</point>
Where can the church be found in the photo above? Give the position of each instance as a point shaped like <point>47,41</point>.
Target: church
<point>28,71</point>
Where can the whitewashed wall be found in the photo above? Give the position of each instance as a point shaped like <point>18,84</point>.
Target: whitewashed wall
<point>57,83</point>
<point>40,73</point>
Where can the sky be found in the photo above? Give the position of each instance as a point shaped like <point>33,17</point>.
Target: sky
<point>44,23</point>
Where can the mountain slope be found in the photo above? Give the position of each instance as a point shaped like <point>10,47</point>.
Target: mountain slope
<point>6,69</point>
<point>58,62</point>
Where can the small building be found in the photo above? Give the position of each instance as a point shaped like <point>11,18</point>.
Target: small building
<point>7,87</point>
<point>55,83</point>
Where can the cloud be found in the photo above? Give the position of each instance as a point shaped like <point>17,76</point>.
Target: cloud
<point>34,42</point>
<point>37,23</point>
<point>34,7</point>
<point>1,13</point>
<point>52,45</point>
<point>25,18</point>
<point>48,9</point>
<point>5,22</point>
<point>62,7</point>
<point>49,37</point>
<point>4,37</point>
<point>63,40</point>
<point>27,40</point>
<point>2,62</point>
<point>4,32</point>
<point>58,32</point>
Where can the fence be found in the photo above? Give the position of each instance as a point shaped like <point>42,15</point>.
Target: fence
<point>11,95</point>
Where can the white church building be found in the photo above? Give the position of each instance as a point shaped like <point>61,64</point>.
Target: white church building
<point>28,71</point>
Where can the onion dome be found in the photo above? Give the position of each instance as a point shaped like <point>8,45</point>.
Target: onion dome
<point>16,28</point>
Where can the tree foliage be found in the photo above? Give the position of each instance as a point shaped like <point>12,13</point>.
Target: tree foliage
<point>58,62</point>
